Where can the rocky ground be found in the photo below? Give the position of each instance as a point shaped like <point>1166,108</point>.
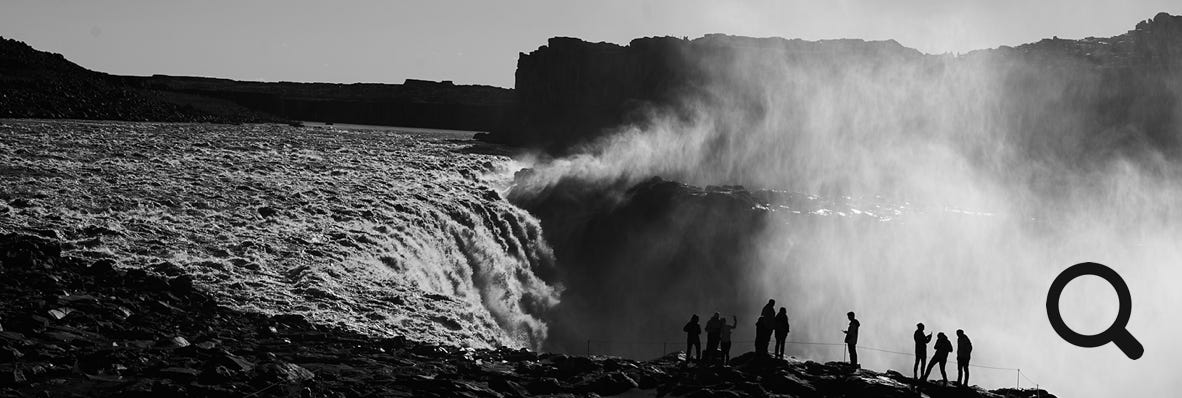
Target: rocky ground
<point>77,327</point>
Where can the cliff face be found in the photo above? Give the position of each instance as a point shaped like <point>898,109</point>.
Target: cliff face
<point>415,103</point>
<point>571,91</point>
<point>571,88</point>
<point>38,84</point>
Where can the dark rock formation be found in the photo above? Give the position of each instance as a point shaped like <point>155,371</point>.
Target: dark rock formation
<point>571,92</point>
<point>36,84</point>
<point>415,103</point>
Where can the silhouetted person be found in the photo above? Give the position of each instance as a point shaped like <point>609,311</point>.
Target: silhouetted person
<point>769,310</point>
<point>851,338</point>
<point>693,344</point>
<point>725,338</point>
<point>921,350</point>
<point>713,328</point>
<point>781,327</point>
<point>943,347</point>
<point>964,350</point>
<point>763,334</point>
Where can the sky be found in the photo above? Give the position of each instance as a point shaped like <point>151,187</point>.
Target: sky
<point>478,42</point>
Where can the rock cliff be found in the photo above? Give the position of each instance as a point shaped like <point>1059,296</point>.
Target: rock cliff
<point>38,84</point>
<point>571,92</point>
<point>415,103</point>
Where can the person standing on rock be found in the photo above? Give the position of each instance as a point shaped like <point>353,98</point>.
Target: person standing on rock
<point>769,309</point>
<point>964,350</point>
<point>851,338</point>
<point>693,343</point>
<point>763,334</point>
<point>943,347</point>
<point>713,328</point>
<point>781,328</point>
<point>725,338</point>
<point>921,350</point>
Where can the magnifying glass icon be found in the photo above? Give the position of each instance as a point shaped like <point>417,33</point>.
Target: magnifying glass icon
<point>1117,333</point>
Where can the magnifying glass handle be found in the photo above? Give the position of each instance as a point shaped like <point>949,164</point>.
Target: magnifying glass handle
<point>1129,344</point>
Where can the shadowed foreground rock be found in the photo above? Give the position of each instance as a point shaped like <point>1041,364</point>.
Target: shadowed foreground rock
<point>72,328</point>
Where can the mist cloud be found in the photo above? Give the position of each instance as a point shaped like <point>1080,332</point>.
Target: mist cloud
<point>1006,168</point>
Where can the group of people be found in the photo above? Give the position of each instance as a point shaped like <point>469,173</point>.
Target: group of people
<point>964,351</point>
<point>718,335</point>
<point>718,338</point>
<point>771,323</point>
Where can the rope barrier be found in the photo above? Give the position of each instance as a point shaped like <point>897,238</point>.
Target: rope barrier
<point>1026,377</point>
<point>666,343</point>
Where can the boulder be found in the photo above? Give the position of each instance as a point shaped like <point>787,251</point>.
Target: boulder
<point>571,366</point>
<point>181,285</point>
<point>508,387</point>
<point>26,251</point>
<point>21,203</point>
<point>291,320</point>
<point>751,389</point>
<point>9,354</point>
<point>285,372</point>
<point>267,212</point>
<point>233,362</point>
<point>178,342</point>
<point>519,355</point>
<point>545,385</point>
<point>216,375</point>
<point>786,383</point>
<point>611,384</point>
<point>65,337</point>
<point>59,313</point>
<point>180,374</point>
<point>15,378</point>
<point>878,386</point>
<point>102,269</point>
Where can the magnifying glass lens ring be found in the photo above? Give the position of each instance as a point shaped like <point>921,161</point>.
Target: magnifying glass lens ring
<point>1122,318</point>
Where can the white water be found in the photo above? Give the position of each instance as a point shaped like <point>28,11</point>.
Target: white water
<point>384,232</point>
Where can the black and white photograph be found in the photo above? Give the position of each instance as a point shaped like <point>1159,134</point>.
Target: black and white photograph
<point>617,198</point>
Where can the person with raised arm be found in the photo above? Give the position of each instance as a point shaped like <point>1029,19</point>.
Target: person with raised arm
<point>921,350</point>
